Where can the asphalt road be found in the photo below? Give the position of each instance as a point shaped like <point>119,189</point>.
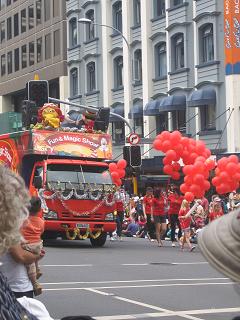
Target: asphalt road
<point>134,279</point>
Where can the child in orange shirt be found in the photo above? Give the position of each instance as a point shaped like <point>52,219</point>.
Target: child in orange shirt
<point>32,232</point>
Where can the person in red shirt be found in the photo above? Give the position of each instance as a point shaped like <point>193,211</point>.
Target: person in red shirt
<point>147,210</point>
<point>159,217</point>
<point>185,221</point>
<point>216,211</point>
<point>175,201</point>
<point>32,231</point>
<point>120,199</point>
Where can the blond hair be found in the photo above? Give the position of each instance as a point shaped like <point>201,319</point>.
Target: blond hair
<point>14,202</point>
<point>184,204</point>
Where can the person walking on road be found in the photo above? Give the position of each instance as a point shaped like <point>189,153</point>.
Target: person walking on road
<point>159,216</point>
<point>120,199</point>
<point>175,201</point>
<point>147,210</point>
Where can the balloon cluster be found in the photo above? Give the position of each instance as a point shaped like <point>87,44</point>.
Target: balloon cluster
<point>117,171</point>
<point>227,174</point>
<point>194,155</point>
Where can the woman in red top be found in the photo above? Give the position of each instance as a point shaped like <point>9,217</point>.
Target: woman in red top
<point>147,210</point>
<point>185,221</point>
<point>159,217</point>
<point>175,201</point>
<point>216,211</point>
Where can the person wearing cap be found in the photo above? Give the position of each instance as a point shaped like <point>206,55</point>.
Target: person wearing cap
<point>147,211</point>
<point>219,242</point>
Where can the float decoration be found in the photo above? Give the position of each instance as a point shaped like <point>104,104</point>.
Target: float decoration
<point>49,117</point>
<point>118,171</point>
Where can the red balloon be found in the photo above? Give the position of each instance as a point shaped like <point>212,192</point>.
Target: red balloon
<point>175,175</point>
<point>168,169</point>
<point>198,167</point>
<point>199,179</point>
<point>208,153</point>
<point>166,146</point>
<point>184,141</point>
<point>189,196</point>
<point>193,157</point>
<point>195,189</point>
<point>192,149</point>
<point>176,166</point>
<point>222,188</point>
<point>165,135</point>
<point>188,170</point>
<point>118,182</point>
<point>166,160</point>
<point>112,167</point>
<point>201,159</point>
<point>122,164</point>
<point>188,180</point>
<point>176,135</point>
<point>184,188</point>
<point>157,144</point>
<point>216,181</point>
<point>231,168</point>
<point>207,185</point>
<point>234,158</point>
<point>115,175</point>
<point>200,147</point>
<point>171,154</point>
<point>178,149</point>
<point>222,163</point>
<point>217,171</point>
<point>121,173</point>
<point>236,176</point>
<point>224,176</point>
<point>206,174</point>
<point>210,164</point>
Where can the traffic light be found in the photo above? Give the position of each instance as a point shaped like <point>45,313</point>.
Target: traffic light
<point>132,154</point>
<point>29,114</point>
<point>38,91</point>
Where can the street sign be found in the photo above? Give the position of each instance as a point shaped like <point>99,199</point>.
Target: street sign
<point>134,139</point>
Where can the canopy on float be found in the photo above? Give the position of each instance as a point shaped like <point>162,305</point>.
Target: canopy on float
<point>203,97</point>
<point>173,103</point>
<point>136,111</point>
<point>118,109</point>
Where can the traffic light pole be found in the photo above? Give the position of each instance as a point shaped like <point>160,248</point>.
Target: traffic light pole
<point>94,109</point>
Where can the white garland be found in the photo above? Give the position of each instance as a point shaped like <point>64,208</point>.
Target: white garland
<point>80,196</point>
<point>97,197</point>
<point>61,196</point>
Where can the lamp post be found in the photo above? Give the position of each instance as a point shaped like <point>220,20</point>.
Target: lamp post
<point>89,21</point>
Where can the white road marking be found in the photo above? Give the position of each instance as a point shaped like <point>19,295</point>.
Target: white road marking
<point>167,263</point>
<point>135,264</point>
<point>132,281</point>
<point>144,286</point>
<point>66,265</point>
<point>99,292</point>
<point>188,263</point>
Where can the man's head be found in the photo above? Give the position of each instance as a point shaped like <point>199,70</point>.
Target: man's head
<point>35,206</point>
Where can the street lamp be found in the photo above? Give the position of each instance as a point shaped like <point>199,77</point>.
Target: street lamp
<point>89,21</point>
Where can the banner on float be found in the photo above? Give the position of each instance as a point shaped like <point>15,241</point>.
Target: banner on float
<point>232,36</point>
<point>85,145</point>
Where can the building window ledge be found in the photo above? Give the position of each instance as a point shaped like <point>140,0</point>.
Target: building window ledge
<point>79,96</point>
<point>159,78</point>
<point>91,93</point>
<point>184,4</point>
<point>117,89</point>
<point>90,41</point>
<point>136,26</point>
<point>137,83</point>
<point>163,16</point>
<point>74,47</point>
<point>209,132</point>
<point>179,71</point>
<point>207,64</point>
<point>116,34</point>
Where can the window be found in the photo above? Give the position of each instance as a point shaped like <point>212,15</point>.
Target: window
<point>138,126</point>
<point>161,60</point>
<point>9,28</point>
<point>2,31</point>
<point>16,25</point>
<point>206,44</point>
<point>91,77</point>
<point>74,82</point>
<point>178,52</point>
<point>39,49</point>
<point>3,65</point>
<point>39,12</point>
<point>56,44</point>
<point>159,8</point>
<point>118,72</point>
<point>48,51</point>
<point>73,32</point>
<point>56,8</point>
<point>208,117</point>
<point>137,12</point>
<point>117,15</point>
<point>24,56</point>
<point>23,20</point>
<point>8,2</point>
<point>118,132</point>
<point>30,17</point>
<point>179,120</point>
<point>162,122</point>
<point>90,32</point>
<point>175,3</point>
<point>31,53</point>
<point>9,62</point>
<point>16,59</point>
<point>138,66</point>
<point>47,9</point>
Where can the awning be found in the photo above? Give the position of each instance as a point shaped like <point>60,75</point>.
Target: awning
<point>119,109</point>
<point>152,108</point>
<point>204,97</point>
<point>173,103</point>
<point>136,111</point>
